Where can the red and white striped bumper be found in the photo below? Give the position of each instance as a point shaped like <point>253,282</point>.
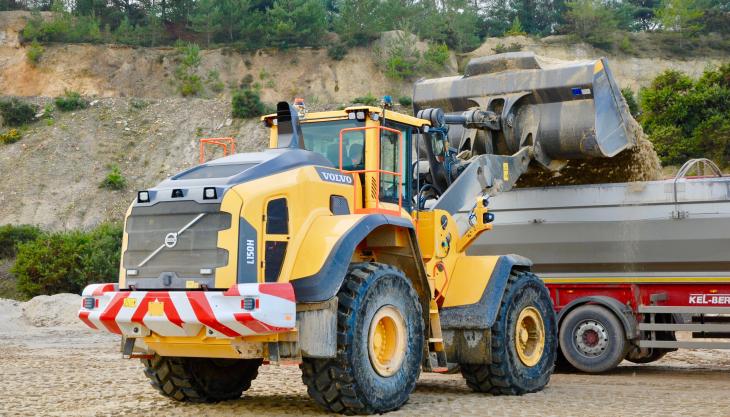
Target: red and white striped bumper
<point>242,310</point>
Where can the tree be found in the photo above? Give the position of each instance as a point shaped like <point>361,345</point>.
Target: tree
<point>591,21</point>
<point>234,15</point>
<point>358,21</point>
<point>685,118</point>
<point>297,23</point>
<point>681,16</point>
<point>496,17</point>
<point>538,17</point>
<point>206,18</point>
<point>516,28</point>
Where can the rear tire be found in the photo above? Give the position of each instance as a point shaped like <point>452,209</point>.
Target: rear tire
<point>201,380</point>
<point>367,376</point>
<point>518,369</point>
<point>593,339</point>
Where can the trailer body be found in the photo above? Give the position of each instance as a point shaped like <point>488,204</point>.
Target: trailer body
<point>655,255</point>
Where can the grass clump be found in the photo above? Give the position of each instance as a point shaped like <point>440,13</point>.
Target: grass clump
<point>70,101</point>
<point>114,179</point>
<point>366,100</point>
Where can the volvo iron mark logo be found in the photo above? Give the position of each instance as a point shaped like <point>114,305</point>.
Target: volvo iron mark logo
<point>171,240</point>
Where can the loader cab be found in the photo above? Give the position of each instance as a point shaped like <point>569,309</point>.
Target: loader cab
<point>372,145</point>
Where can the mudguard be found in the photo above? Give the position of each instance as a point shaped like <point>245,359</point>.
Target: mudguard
<point>324,284</point>
<point>482,314</point>
<point>622,312</point>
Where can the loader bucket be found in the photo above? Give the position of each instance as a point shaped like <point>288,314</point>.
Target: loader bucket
<point>565,110</point>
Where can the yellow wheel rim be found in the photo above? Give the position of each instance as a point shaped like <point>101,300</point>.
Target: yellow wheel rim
<point>387,341</point>
<point>529,336</point>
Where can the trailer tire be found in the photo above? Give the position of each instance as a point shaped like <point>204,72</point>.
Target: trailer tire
<point>376,303</point>
<point>509,374</point>
<point>593,339</point>
<point>201,380</point>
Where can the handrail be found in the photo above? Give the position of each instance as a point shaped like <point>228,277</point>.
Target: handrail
<point>220,142</point>
<point>398,174</point>
<point>693,162</point>
<point>682,173</point>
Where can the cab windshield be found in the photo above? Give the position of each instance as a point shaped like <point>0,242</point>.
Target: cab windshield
<point>324,138</point>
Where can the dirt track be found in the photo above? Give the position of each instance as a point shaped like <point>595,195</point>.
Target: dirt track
<point>47,371</point>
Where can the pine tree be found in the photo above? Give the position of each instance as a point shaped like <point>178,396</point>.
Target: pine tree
<point>206,19</point>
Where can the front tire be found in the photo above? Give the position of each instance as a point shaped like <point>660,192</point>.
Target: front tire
<point>201,380</point>
<point>380,336</point>
<point>524,341</point>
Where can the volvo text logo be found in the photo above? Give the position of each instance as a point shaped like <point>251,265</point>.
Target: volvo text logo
<point>171,240</point>
<point>330,175</point>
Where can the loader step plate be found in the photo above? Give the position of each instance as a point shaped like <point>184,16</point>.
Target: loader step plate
<point>242,310</point>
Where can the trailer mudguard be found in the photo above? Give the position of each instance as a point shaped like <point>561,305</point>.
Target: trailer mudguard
<point>482,314</point>
<point>622,312</point>
<point>325,283</point>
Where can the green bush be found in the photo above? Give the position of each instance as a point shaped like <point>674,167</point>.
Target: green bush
<point>402,60</point>
<point>435,57</point>
<point>35,52</point>
<point>189,60</point>
<point>12,235</point>
<point>247,103</point>
<point>405,101</point>
<point>68,261</point>
<point>500,48</point>
<point>631,102</point>
<point>337,51</point>
<point>11,136</point>
<point>626,46</point>
<point>214,81</point>
<point>114,179</point>
<point>366,100</point>
<point>70,101</point>
<point>516,28</point>
<point>688,118</point>
<point>16,112</point>
<point>190,85</point>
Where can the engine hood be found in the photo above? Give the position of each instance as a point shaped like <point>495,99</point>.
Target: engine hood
<point>224,173</point>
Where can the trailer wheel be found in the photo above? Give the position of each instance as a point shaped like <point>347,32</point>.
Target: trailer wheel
<point>524,341</point>
<point>201,379</point>
<point>380,336</point>
<point>593,339</point>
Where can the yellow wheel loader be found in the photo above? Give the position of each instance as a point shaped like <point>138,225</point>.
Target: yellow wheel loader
<point>338,248</point>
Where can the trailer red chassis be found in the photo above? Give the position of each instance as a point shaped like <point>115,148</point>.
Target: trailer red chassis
<point>603,320</point>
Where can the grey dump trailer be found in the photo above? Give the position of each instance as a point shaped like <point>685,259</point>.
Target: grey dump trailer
<point>629,265</point>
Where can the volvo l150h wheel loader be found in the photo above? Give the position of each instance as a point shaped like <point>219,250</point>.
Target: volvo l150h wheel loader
<point>320,250</point>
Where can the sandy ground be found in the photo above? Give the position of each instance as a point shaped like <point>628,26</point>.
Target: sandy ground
<point>66,370</point>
